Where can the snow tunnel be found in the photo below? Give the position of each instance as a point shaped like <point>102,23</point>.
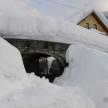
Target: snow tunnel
<point>44,65</point>
<point>42,57</point>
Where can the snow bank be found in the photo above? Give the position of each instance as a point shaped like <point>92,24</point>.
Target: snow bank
<point>10,60</point>
<point>21,90</point>
<point>11,68</point>
<point>88,69</point>
<point>48,29</point>
<point>47,98</point>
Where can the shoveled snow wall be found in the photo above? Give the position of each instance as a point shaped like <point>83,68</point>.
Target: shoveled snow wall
<point>48,29</point>
<point>88,69</point>
<point>21,90</point>
<point>12,70</point>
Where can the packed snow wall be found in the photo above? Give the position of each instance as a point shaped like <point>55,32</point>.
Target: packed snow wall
<point>12,70</point>
<point>21,90</point>
<point>88,69</point>
<point>49,29</point>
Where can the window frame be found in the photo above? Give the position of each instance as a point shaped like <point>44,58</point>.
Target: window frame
<point>87,25</point>
<point>95,26</point>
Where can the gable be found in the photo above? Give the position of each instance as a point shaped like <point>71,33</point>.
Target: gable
<point>93,19</point>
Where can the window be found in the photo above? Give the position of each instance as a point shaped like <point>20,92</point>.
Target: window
<point>94,26</point>
<point>86,25</point>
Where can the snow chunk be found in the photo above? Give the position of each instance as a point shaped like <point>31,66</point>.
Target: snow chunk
<point>12,70</point>
<point>88,69</point>
<point>10,60</point>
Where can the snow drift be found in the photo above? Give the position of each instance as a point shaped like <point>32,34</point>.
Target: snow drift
<point>21,90</point>
<point>11,68</point>
<point>88,69</point>
<point>48,29</point>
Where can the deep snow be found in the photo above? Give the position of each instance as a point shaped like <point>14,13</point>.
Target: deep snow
<point>88,69</point>
<point>21,90</point>
<point>48,29</point>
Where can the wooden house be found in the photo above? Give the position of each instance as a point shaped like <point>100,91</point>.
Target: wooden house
<point>92,20</point>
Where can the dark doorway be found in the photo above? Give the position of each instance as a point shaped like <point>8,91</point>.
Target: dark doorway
<point>42,65</point>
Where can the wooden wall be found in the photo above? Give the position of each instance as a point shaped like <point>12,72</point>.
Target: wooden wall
<point>91,19</point>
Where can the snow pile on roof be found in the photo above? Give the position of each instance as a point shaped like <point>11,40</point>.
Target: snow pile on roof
<point>102,18</point>
<point>88,69</point>
<point>48,29</point>
<point>21,90</point>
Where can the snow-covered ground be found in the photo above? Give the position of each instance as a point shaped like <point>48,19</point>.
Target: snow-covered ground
<point>21,90</point>
<point>88,69</point>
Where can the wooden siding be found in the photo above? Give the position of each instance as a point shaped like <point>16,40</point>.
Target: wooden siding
<point>93,19</point>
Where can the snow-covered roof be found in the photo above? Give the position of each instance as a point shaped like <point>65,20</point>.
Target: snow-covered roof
<point>48,29</point>
<point>82,14</point>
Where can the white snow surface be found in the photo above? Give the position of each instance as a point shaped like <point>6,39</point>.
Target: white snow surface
<point>21,90</point>
<point>48,29</point>
<point>11,68</point>
<point>88,69</point>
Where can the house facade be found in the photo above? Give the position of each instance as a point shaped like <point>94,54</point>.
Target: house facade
<point>92,20</point>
